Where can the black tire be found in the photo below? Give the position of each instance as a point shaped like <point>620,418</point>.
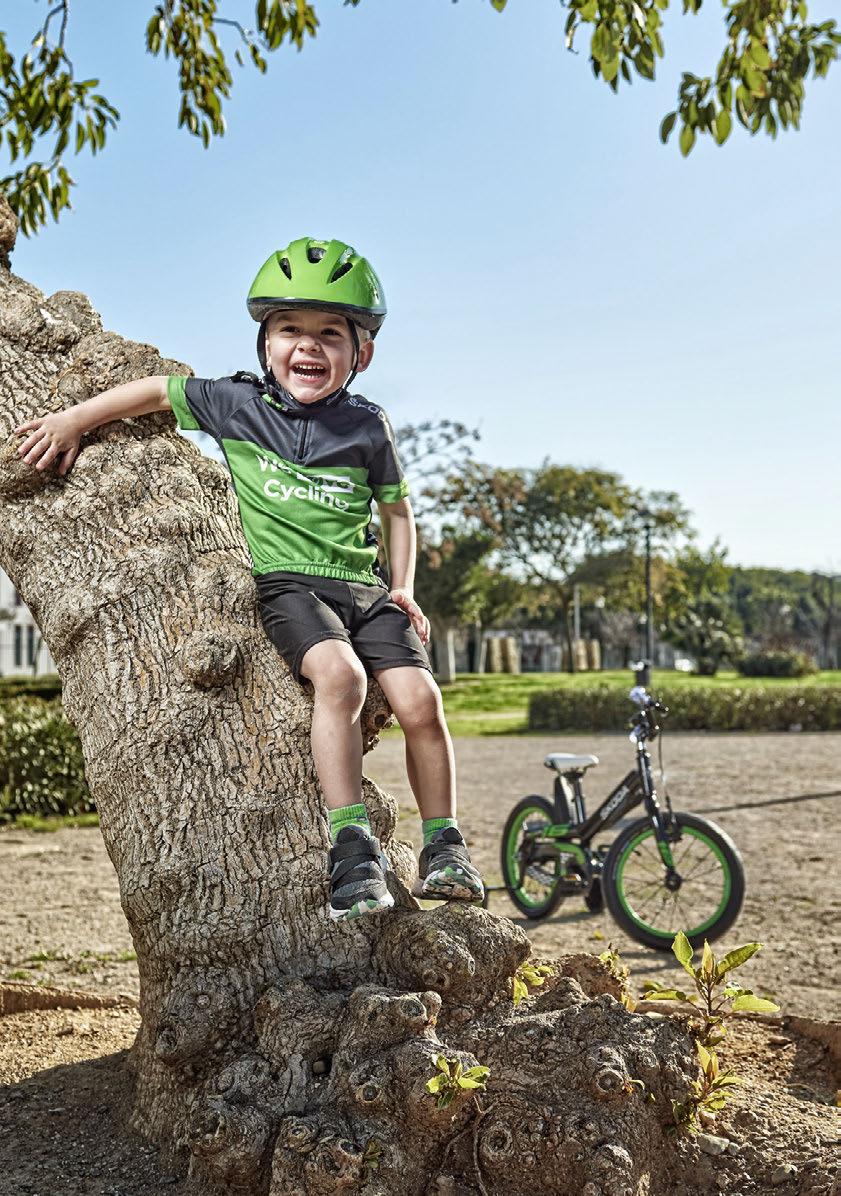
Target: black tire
<point>636,894</point>
<point>542,894</point>
<point>594,897</point>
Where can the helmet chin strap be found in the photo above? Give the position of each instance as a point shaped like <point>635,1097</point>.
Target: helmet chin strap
<point>272,382</point>
<point>354,336</point>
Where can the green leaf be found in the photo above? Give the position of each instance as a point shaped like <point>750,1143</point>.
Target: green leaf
<point>748,1003</point>
<point>681,947</point>
<point>436,1083</point>
<point>704,1056</point>
<point>735,959</point>
<point>610,68</point>
<point>722,127</point>
<point>498,4</point>
<point>477,1073</point>
<point>464,1082</point>
<point>707,958</point>
<point>759,54</point>
<point>442,1064</point>
<point>663,994</point>
<point>666,127</point>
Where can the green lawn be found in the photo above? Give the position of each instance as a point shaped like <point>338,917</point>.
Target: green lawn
<point>496,703</point>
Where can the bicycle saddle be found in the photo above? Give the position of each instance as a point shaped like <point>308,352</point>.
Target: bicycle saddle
<point>562,762</point>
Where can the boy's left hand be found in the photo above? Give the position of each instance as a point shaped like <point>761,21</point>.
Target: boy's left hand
<point>418,619</point>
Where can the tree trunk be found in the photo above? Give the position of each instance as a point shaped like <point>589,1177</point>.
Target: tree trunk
<point>443,634</point>
<point>478,648</point>
<point>280,1053</point>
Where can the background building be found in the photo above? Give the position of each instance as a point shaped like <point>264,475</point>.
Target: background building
<point>21,648</point>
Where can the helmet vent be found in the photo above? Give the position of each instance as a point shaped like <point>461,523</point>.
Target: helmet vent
<point>285,267</point>
<point>340,271</point>
<point>315,253</point>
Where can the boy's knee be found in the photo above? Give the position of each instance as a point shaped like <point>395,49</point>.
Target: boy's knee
<point>420,704</point>
<point>341,680</point>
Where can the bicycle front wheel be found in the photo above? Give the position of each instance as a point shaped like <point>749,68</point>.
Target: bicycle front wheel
<point>531,866</point>
<point>702,897</point>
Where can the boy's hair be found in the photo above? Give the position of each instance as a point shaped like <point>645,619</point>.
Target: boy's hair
<point>364,334</point>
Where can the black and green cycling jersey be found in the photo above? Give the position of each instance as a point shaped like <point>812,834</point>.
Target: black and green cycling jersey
<point>304,476</point>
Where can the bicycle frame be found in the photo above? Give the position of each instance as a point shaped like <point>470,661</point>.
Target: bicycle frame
<point>574,828</point>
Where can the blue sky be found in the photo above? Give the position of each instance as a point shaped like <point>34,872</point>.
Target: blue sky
<point>554,275</point>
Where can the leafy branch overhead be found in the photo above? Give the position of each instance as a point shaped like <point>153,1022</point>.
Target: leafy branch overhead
<point>770,49</point>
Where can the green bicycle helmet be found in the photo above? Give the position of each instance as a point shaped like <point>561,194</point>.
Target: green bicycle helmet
<point>327,275</point>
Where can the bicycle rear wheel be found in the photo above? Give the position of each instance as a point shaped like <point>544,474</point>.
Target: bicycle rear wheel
<point>531,869</point>
<point>705,899</point>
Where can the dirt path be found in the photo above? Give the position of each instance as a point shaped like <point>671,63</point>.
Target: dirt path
<point>65,1087</point>
<point>61,922</point>
<point>791,849</point>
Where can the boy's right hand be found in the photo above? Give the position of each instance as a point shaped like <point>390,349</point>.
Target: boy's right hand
<point>51,437</point>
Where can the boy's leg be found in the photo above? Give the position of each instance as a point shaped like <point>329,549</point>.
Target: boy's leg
<point>357,863</point>
<point>445,868</point>
<point>340,685</point>
<point>430,763</point>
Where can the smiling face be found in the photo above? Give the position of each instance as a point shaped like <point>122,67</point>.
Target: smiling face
<point>310,352</point>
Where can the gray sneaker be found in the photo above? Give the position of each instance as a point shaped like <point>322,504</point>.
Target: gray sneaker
<point>358,868</point>
<point>445,872</point>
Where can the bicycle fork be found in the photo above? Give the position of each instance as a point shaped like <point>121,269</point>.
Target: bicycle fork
<point>659,822</point>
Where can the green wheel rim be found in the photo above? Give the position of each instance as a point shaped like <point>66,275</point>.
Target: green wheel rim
<point>513,866</point>
<point>648,890</point>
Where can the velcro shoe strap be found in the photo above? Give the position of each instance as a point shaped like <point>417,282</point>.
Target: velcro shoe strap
<point>441,847</point>
<point>358,869</point>
<point>362,849</point>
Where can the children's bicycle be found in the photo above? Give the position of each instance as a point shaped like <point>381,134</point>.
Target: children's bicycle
<point>665,871</point>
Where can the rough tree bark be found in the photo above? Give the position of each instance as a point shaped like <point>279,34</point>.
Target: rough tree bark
<point>279,1053</point>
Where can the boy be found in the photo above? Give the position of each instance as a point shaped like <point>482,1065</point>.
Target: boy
<point>307,458</point>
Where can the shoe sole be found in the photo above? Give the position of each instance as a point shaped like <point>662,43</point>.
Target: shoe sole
<point>361,908</point>
<point>445,890</point>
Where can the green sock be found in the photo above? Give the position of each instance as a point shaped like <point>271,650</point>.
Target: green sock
<point>431,825</point>
<point>345,815</point>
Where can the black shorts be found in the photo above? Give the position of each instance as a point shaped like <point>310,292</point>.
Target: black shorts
<point>299,611</point>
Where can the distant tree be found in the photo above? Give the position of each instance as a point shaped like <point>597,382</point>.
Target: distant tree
<point>430,452</point>
<point>826,592</point>
<point>698,614</point>
<point>547,522</point>
<point>770,48</point>
<point>788,610</point>
<point>449,585</point>
<point>613,587</point>
<point>448,576</point>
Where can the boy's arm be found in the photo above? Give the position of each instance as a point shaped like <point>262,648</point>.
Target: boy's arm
<point>58,435</point>
<point>400,540</point>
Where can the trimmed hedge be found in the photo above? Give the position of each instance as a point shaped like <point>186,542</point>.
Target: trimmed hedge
<point>782,663</point>
<point>692,708</point>
<point>41,766</point>
<point>47,686</point>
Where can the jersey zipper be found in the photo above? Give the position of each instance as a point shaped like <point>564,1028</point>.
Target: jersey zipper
<point>301,446</point>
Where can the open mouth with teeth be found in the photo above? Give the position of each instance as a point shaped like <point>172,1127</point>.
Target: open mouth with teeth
<point>309,371</point>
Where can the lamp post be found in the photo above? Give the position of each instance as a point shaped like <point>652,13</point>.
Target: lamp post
<point>647,526</point>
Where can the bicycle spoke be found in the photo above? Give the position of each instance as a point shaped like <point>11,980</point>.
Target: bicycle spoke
<point>652,871</point>
<point>693,842</point>
<point>708,871</point>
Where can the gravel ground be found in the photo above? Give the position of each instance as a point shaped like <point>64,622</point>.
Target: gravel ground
<point>65,1087</point>
<point>778,796</point>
